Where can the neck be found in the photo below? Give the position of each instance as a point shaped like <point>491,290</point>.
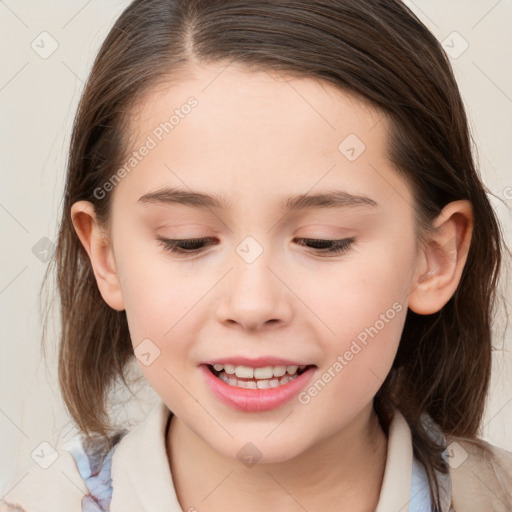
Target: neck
<point>345,468</point>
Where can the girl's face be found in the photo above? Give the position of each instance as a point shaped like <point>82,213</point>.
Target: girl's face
<point>259,287</point>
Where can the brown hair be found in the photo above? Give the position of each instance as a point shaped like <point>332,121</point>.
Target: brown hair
<point>377,49</point>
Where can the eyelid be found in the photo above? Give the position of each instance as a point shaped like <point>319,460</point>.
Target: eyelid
<point>340,246</point>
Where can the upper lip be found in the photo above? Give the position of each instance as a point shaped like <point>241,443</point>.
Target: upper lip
<point>255,362</point>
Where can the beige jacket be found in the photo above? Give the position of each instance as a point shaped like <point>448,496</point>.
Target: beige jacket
<point>142,481</point>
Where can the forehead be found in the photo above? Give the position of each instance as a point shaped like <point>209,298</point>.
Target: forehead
<point>231,96</point>
<point>258,132</point>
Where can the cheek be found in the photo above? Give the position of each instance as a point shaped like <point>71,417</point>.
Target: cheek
<point>160,310</point>
<point>156,293</point>
<point>363,305</point>
<point>368,290</point>
<point>162,303</point>
<point>357,359</point>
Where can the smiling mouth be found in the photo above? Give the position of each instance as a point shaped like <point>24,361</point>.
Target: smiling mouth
<point>256,378</point>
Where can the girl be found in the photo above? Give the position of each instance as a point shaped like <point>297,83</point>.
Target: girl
<point>273,207</point>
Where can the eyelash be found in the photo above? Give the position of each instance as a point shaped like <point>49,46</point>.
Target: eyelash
<point>180,246</point>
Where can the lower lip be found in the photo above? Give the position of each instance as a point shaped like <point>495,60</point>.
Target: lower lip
<point>253,400</point>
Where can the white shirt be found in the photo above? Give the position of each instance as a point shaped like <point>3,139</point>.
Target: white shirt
<point>142,480</point>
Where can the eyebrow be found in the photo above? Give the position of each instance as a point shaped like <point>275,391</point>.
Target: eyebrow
<point>329,199</point>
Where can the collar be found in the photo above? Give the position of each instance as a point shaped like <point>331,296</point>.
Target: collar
<point>142,480</point>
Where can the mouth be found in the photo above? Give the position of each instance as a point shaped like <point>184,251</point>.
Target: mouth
<point>247,377</point>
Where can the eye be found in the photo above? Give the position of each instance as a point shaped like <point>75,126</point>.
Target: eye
<point>185,246</point>
<point>333,246</point>
<point>194,245</point>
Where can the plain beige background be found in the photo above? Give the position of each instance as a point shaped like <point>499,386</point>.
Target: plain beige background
<point>38,96</point>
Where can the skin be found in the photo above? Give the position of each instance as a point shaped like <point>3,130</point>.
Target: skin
<point>254,138</point>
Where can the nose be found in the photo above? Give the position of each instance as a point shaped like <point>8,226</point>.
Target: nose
<point>254,295</point>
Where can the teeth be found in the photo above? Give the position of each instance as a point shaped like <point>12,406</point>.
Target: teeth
<point>262,384</point>
<point>256,384</point>
<point>244,372</point>
<point>279,371</point>
<point>265,372</point>
<point>263,378</point>
<point>228,368</point>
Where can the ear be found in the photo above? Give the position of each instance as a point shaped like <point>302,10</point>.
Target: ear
<point>99,248</point>
<point>442,258</point>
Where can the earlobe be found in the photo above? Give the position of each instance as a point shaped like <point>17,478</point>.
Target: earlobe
<point>99,249</point>
<point>443,258</point>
